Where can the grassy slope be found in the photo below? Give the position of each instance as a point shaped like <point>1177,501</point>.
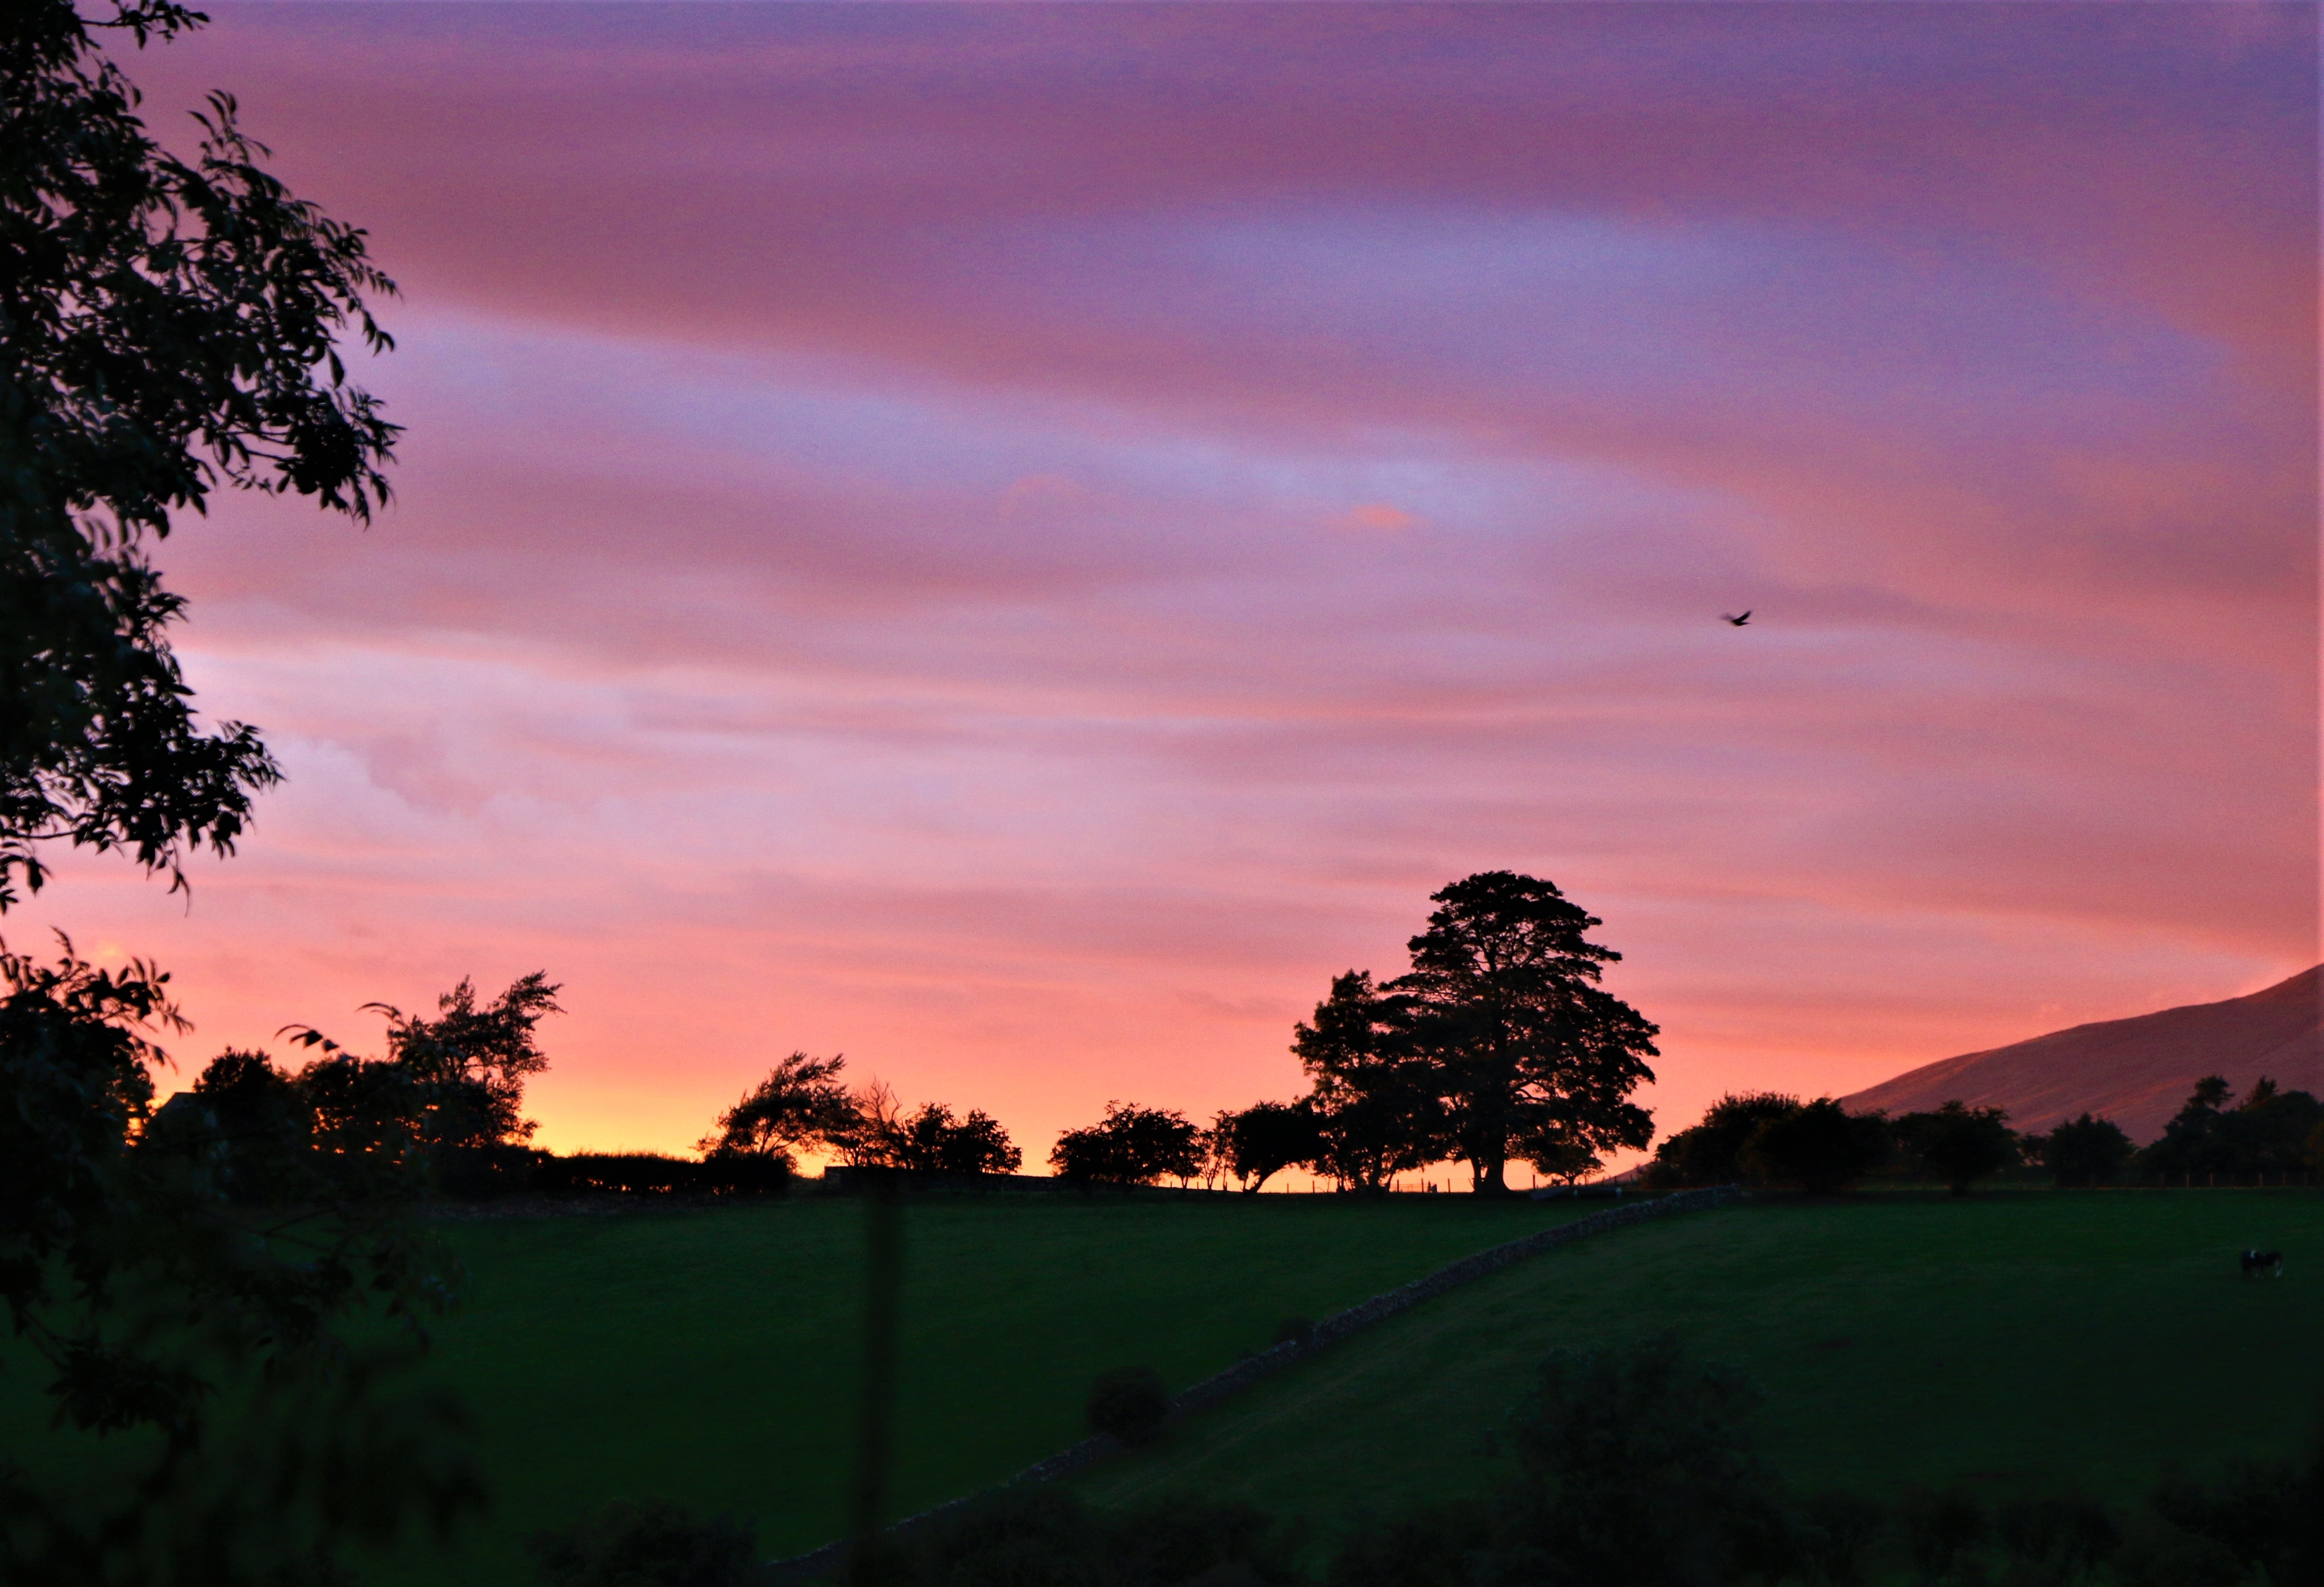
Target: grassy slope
<point>711,1357</point>
<point>2038,1338</point>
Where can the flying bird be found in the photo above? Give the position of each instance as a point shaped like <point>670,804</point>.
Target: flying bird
<point>1737,622</point>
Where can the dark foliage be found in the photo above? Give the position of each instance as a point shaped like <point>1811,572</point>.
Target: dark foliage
<point>800,1103</point>
<point>650,1545</point>
<point>932,1141</point>
<point>1958,1145</point>
<point>1128,1403</point>
<point>1130,1146</point>
<point>2086,1151</point>
<point>1265,1139</point>
<point>652,1173</point>
<point>1443,1547</point>
<point>470,1063</point>
<point>1378,1108</point>
<point>2261,1514</point>
<point>1535,1060</point>
<point>1822,1148</point>
<point>1706,1154</point>
<point>250,1349</point>
<point>1044,1537</point>
<point>1637,1466</point>
<point>1941,1529</point>
<point>1833,1536</point>
<point>165,326</point>
<point>2268,1132</point>
<point>2061,1537</point>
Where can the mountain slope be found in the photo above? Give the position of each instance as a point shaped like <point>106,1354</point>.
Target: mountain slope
<point>2138,1071</point>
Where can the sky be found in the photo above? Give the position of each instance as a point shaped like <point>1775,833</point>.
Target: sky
<point>1013,542</point>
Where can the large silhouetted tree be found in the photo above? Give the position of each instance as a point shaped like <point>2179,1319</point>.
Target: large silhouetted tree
<point>167,326</point>
<point>1535,1060</point>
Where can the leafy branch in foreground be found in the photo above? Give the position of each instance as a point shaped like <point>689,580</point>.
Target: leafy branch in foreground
<point>166,326</point>
<point>230,1343</point>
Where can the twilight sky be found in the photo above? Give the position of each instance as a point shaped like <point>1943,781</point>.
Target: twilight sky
<point>1015,541</point>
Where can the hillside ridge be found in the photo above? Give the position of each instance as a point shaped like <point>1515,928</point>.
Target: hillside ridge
<point>2136,1071</point>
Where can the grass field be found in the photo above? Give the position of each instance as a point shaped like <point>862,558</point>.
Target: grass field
<point>711,1357</point>
<point>2019,1340</point>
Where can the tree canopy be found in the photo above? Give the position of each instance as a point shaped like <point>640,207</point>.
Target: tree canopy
<point>1130,1144</point>
<point>1538,1061</point>
<point>167,326</point>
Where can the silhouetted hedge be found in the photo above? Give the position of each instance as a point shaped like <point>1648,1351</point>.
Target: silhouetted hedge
<point>651,1174</point>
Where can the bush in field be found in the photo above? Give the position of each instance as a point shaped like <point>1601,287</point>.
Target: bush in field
<point>1131,1145</point>
<point>1959,1144</point>
<point>1706,1154</point>
<point>1265,1139</point>
<point>932,1141</point>
<point>2086,1151</point>
<point>1128,1403</point>
<point>1822,1148</point>
<point>650,1545</point>
<point>1636,1466</point>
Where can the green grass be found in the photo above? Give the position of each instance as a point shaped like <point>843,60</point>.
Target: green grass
<point>712,1357</point>
<point>2011,1340</point>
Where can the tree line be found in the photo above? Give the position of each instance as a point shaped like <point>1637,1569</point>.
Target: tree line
<point>1497,1046</point>
<point>1769,1138</point>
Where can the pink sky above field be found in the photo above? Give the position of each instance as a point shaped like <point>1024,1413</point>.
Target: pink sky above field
<point>1014,542</point>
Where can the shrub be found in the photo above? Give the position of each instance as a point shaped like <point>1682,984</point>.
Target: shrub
<point>1637,1467</point>
<point>1822,1148</point>
<point>2087,1151</point>
<point>1941,1528</point>
<point>1130,1403</point>
<point>1131,1145</point>
<point>1432,1549</point>
<point>1959,1144</point>
<point>2061,1535</point>
<point>1706,1153</point>
<point>648,1545</point>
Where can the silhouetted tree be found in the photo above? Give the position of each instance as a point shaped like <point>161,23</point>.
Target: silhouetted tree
<point>1706,1154</point>
<point>470,1063</point>
<point>1959,1144</point>
<point>166,326</point>
<point>1533,1055</point>
<point>1375,1105</point>
<point>1822,1148</point>
<point>932,1141</point>
<point>2086,1151</point>
<point>2267,1133</point>
<point>1263,1140</point>
<point>249,1124</point>
<point>799,1104</point>
<point>1130,1146</point>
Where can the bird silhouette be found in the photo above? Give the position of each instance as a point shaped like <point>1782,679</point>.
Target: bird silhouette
<point>1737,622</point>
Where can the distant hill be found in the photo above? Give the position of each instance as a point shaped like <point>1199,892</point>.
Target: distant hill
<point>2136,1072</point>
